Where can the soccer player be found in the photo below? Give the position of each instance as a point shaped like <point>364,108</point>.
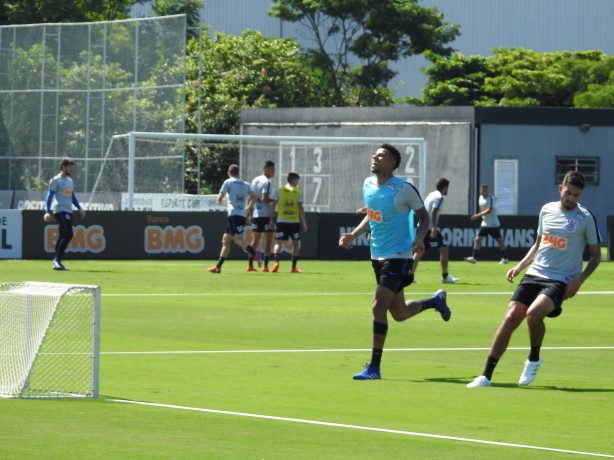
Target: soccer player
<point>261,217</point>
<point>389,200</point>
<point>554,275</point>
<point>62,189</point>
<point>434,238</point>
<point>241,199</point>
<point>287,207</point>
<point>490,225</point>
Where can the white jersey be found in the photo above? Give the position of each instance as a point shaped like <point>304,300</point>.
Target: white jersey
<point>563,236</point>
<point>237,191</point>
<point>491,219</point>
<point>434,200</point>
<point>260,186</point>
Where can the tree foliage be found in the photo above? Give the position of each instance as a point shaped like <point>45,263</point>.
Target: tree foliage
<point>53,11</point>
<point>517,77</point>
<point>191,8</point>
<point>355,40</point>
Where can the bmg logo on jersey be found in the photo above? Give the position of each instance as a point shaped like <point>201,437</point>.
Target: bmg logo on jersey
<point>559,242</point>
<point>171,239</point>
<point>85,239</point>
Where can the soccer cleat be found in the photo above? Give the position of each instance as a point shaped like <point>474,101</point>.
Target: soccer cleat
<point>441,306</point>
<point>503,261</point>
<point>471,260</point>
<point>265,269</point>
<point>57,265</point>
<point>275,267</point>
<point>450,279</point>
<point>530,372</point>
<point>480,381</point>
<point>369,373</point>
<point>250,268</point>
<point>296,270</point>
<point>215,269</point>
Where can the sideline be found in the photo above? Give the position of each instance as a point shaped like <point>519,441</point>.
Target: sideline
<point>322,294</point>
<point>358,427</point>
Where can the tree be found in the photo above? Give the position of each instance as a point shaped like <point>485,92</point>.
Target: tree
<point>52,11</point>
<point>238,72</point>
<point>356,39</point>
<point>191,8</point>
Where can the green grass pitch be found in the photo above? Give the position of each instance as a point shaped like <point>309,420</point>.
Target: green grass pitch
<point>259,366</point>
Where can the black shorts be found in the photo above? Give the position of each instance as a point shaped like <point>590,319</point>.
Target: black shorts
<point>287,230</point>
<point>394,274</point>
<point>495,232</point>
<point>262,225</point>
<point>531,286</point>
<point>236,225</point>
<point>437,243</point>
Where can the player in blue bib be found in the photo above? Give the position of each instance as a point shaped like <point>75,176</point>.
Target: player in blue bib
<point>389,200</point>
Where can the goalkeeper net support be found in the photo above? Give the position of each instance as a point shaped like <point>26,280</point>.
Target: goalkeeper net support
<point>49,340</point>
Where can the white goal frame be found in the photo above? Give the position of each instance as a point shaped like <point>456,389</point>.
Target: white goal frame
<point>40,357</point>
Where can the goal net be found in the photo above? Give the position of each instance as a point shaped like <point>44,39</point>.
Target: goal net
<point>49,340</point>
<point>332,169</point>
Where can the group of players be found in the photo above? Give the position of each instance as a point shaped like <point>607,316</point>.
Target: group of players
<point>555,261</point>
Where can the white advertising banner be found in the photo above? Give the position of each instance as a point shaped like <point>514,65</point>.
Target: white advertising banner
<point>11,224</point>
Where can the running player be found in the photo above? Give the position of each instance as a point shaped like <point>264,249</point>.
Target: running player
<point>555,274</point>
<point>490,225</point>
<point>241,199</point>
<point>389,200</point>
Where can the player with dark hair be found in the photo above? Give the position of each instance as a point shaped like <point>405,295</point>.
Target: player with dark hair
<point>554,275</point>
<point>490,225</point>
<point>62,189</point>
<point>241,198</point>
<point>389,200</point>
<point>261,217</point>
<point>433,238</point>
<point>287,215</point>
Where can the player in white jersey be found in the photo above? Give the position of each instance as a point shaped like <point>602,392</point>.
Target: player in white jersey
<point>388,200</point>
<point>241,199</point>
<point>555,274</point>
<point>261,215</point>
<point>490,225</point>
<point>62,190</point>
<point>434,238</point>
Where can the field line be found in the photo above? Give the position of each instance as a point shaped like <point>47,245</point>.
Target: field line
<point>333,350</point>
<point>362,428</point>
<point>315,294</point>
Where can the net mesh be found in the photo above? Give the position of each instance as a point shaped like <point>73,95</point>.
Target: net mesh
<point>48,340</point>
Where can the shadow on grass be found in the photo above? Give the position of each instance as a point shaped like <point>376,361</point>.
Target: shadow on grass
<point>465,381</point>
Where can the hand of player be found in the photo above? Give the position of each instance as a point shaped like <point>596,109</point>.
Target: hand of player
<point>346,240</point>
<point>474,217</point>
<point>82,213</point>
<point>572,288</point>
<point>512,273</point>
<point>48,217</point>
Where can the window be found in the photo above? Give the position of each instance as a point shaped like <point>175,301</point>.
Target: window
<point>589,166</point>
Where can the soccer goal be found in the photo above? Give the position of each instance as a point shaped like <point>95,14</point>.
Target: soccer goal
<point>49,340</point>
<point>332,169</point>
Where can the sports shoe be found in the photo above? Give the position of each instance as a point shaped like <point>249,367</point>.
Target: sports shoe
<point>530,372</point>
<point>275,267</point>
<point>470,259</point>
<point>215,269</point>
<point>450,279</point>
<point>265,269</point>
<point>369,373</point>
<point>440,304</point>
<point>480,381</point>
<point>57,265</point>
<point>296,270</point>
<point>504,261</point>
<point>250,268</point>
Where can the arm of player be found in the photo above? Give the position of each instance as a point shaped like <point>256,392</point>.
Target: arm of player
<point>78,205</point>
<point>346,238</point>
<point>301,213</point>
<point>423,226</point>
<point>525,262</point>
<point>574,285</point>
<point>48,217</point>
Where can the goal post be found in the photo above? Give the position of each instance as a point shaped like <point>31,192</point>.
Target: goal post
<point>49,340</point>
<point>332,168</point>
